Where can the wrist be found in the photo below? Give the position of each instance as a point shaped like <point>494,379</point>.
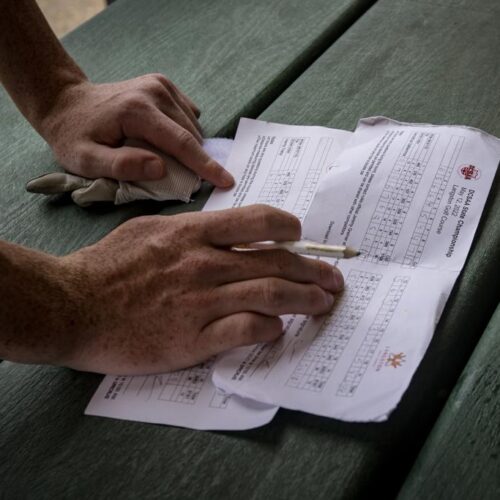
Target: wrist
<point>40,309</point>
<point>49,107</point>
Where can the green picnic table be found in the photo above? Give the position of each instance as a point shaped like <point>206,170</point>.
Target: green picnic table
<point>317,62</point>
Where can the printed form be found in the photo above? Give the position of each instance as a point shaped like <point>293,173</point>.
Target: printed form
<point>188,398</point>
<point>409,197</point>
<point>185,398</point>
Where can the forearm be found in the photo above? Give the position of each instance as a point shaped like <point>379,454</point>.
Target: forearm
<point>37,306</point>
<point>34,67</point>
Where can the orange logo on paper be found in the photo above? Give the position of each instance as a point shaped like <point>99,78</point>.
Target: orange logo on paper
<point>396,360</point>
<point>469,172</point>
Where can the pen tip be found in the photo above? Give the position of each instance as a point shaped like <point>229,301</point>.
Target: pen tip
<point>349,253</point>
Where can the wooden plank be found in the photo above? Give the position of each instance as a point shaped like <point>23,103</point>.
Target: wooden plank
<point>232,59</point>
<point>419,66</point>
<point>461,457</point>
<point>395,61</point>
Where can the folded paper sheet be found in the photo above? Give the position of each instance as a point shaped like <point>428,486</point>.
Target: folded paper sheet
<point>409,197</point>
<point>185,398</point>
<point>188,398</point>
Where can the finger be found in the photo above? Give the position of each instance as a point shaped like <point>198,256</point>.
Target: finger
<point>170,86</point>
<point>181,114</point>
<point>159,90</point>
<point>230,266</point>
<point>269,296</point>
<point>250,224</point>
<point>190,103</point>
<point>238,330</point>
<point>124,163</point>
<point>182,101</point>
<point>161,131</point>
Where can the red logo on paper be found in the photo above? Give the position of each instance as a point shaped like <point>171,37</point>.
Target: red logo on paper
<point>469,172</point>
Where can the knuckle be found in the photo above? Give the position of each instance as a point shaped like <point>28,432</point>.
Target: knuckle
<point>118,167</point>
<point>133,103</point>
<point>83,158</point>
<point>324,272</point>
<point>273,293</point>
<point>272,219</point>
<point>250,325</point>
<point>159,77</point>
<point>258,329</point>
<point>315,294</point>
<point>266,217</point>
<point>250,329</point>
<point>185,140</point>
<point>157,89</point>
<point>314,297</point>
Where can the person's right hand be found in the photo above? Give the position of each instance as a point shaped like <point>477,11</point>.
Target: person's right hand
<point>164,293</point>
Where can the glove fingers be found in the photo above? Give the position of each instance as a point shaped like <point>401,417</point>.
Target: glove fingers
<point>98,190</point>
<point>56,182</point>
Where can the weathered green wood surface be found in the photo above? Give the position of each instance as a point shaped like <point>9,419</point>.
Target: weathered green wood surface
<point>407,59</point>
<point>232,59</point>
<point>419,62</point>
<point>464,445</point>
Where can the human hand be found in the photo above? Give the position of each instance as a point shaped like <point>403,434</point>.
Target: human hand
<point>89,124</point>
<point>163,293</point>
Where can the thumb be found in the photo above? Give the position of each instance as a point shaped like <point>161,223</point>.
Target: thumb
<point>124,163</point>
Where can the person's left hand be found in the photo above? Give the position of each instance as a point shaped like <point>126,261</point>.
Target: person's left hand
<point>89,124</point>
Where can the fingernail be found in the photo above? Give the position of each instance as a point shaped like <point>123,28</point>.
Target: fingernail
<point>338,280</point>
<point>154,169</point>
<point>227,179</point>
<point>330,299</point>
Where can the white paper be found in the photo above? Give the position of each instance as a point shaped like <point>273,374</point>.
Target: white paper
<point>410,198</point>
<point>278,165</point>
<point>185,398</point>
<point>188,398</point>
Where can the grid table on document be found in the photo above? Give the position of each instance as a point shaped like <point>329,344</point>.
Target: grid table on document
<point>220,399</point>
<point>434,196</point>
<point>313,176</point>
<point>370,343</point>
<point>282,174</point>
<point>318,362</point>
<point>184,386</point>
<point>397,195</point>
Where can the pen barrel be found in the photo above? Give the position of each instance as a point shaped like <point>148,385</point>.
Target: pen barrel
<point>303,247</point>
<point>317,252</point>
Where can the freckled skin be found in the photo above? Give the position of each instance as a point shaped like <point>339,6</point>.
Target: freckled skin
<point>159,293</point>
<point>87,124</point>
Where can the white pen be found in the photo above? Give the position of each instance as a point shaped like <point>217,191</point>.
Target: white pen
<point>303,247</point>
